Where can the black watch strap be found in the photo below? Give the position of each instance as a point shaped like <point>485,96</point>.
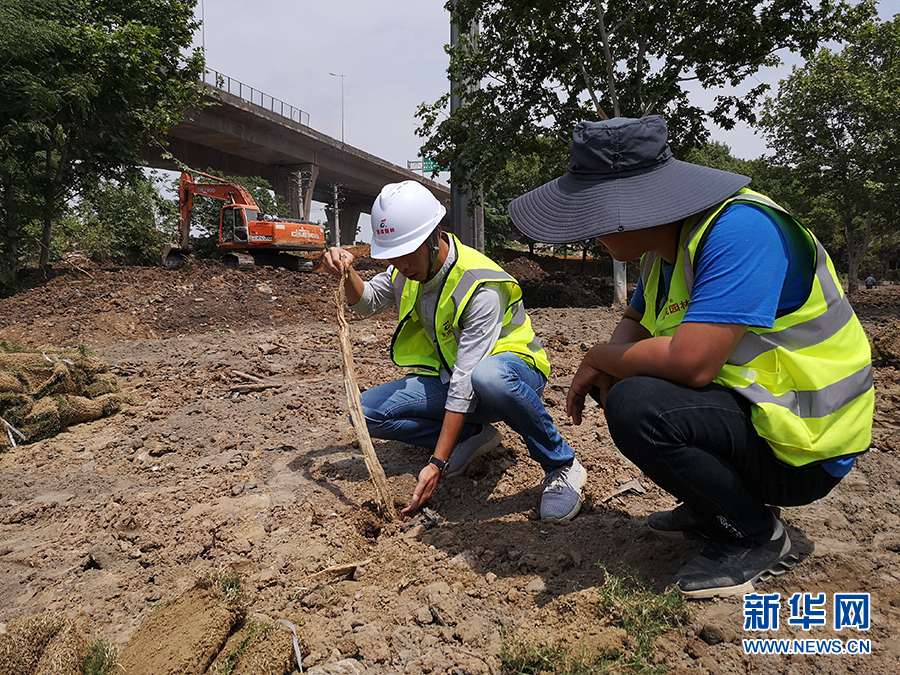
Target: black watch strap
<point>440,464</point>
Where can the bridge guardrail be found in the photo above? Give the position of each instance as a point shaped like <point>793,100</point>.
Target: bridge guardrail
<point>247,93</point>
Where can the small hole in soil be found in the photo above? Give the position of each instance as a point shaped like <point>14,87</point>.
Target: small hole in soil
<point>368,521</point>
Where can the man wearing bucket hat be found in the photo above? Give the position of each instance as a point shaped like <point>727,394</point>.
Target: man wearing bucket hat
<point>464,331</point>
<point>739,378</point>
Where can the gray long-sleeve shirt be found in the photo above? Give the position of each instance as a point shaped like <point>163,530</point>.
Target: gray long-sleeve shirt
<point>480,325</point>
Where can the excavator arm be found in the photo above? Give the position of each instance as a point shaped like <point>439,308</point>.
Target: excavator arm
<point>241,229</point>
<point>219,189</point>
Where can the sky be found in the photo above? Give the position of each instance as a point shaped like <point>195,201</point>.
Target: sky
<point>390,53</point>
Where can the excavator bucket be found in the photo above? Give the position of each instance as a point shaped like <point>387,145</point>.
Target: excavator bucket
<point>172,254</point>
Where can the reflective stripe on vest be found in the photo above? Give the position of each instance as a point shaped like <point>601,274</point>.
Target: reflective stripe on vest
<point>413,347</point>
<point>809,376</point>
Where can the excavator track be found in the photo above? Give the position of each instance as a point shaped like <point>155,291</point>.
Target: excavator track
<point>268,259</point>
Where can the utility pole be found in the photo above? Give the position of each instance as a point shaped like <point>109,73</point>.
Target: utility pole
<point>342,104</point>
<point>470,229</point>
<point>337,215</point>
<point>203,27</point>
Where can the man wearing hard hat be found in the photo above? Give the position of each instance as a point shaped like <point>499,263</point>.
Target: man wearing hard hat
<point>464,332</point>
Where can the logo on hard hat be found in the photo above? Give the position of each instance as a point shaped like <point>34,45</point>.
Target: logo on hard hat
<point>382,230</point>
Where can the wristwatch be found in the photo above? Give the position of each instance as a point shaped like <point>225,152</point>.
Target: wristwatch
<point>440,464</point>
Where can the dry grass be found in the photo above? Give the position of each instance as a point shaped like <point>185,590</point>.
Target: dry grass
<point>50,643</point>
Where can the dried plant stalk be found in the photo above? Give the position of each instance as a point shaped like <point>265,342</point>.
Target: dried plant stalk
<point>376,473</point>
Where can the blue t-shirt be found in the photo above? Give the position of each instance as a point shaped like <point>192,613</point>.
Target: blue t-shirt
<point>751,268</point>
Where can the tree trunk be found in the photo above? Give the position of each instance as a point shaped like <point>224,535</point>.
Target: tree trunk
<point>853,275</point>
<point>49,201</point>
<point>9,246</point>
<point>857,252</point>
<point>45,242</point>
<point>620,290</point>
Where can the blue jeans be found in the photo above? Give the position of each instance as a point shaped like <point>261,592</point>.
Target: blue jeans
<point>411,409</point>
<point>700,446</point>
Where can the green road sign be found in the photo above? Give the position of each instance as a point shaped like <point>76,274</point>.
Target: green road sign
<point>428,166</point>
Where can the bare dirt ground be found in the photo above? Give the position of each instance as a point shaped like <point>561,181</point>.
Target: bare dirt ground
<point>242,458</point>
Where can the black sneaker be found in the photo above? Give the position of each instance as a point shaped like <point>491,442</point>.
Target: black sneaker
<point>723,569</point>
<point>680,522</point>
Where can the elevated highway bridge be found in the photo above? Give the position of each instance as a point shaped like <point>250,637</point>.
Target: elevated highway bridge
<point>244,132</point>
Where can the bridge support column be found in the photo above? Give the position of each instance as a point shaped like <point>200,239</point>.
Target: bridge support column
<point>348,220</point>
<point>296,184</point>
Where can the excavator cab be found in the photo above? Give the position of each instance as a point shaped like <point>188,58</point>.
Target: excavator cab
<point>234,224</point>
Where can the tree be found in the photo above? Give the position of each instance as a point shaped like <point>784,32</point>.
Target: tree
<point>836,121</point>
<point>83,84</point>
<point>521,173</point>
<point>122,224</point>
<point>543,65</point>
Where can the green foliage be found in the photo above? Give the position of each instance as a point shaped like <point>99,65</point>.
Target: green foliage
<point>624,602</point>
<point>547,158</point>
<point>836,122</point>
<point>542,66</point>
<point>83,85</point>
<point>777,182</point>
<point>101,659</point>
<point>717,156</point>
<point>227,582</point>
<point>785,186</point>
<point>120,223</point>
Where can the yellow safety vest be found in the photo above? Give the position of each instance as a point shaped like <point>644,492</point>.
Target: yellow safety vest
<point>809,377</point>
<point>412,347</point>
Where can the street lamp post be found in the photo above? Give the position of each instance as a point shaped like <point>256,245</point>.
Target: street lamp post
<point>203,27</point>
<point>342,102</point>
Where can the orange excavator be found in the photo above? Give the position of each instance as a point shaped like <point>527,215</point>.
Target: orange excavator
<point>241,231</point>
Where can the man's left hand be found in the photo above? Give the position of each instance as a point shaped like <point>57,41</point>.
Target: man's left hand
<point>428,480</point>
<point>585,378</point>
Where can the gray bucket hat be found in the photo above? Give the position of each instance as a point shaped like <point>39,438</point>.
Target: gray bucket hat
<point>622,177</point>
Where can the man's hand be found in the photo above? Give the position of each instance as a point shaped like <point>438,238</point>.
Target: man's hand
<point>334,262</point>
<point>428,480</point>
<point>604,383</point>
<point>336,259</point>
<point>586,377</point>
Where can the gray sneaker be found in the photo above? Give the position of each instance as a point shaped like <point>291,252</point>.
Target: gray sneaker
<point>484,441</point>
<point>561,500</point>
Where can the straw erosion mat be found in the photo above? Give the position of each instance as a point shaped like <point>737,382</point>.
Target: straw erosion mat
<point>228,493</point>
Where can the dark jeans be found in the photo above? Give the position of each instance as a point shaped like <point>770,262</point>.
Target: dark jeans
<point>700,446</point>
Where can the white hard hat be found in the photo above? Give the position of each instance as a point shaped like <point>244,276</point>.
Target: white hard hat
<point>403,216</point>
